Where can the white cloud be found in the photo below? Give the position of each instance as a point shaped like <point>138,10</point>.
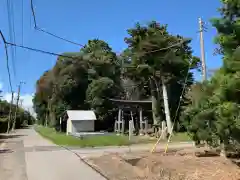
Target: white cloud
<point>26,101</point>
<point>7,96</point>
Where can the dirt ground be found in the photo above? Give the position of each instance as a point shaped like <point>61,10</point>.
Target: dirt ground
<point>176,165</point>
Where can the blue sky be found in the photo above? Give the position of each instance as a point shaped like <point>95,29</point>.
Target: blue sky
<point>80,20</point>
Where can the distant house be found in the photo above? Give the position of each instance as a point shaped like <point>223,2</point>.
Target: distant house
<point>80,121</point>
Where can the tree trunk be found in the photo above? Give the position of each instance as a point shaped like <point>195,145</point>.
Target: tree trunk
<point>52,118</point>
<point>155,113</point>
<point>166,107</point>
<point>46,119</point>
<point>164,130</point>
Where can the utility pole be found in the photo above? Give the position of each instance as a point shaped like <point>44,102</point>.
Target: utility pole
<point>21,102</point>
<point>203,62</point>
<point>18,96</point>
<point>10,113</point>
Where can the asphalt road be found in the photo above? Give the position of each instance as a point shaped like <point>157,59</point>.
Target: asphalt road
<point>27,156</point>
<point>12,160</point>
<point>30,157</point>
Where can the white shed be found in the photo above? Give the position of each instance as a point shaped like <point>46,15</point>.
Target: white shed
<point>80,121</point>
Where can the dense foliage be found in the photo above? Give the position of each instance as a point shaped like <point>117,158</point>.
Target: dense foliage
<point>88,78</point>
<point>23,117</point>
<point>155,65</point>
<point>214,113</point>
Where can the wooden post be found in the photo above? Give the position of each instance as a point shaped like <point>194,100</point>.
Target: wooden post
<point>146,125</point>
<point>123,123</point>
<point>163,131</point>
<point>119,120</point>
<point>60,122</point>
<point>141,121</point>
<point>115,125</point>
<point>133,128</point>
<point>130,131</point>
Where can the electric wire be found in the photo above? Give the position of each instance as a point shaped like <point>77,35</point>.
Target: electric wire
<point>71,57</point>
<point>49,33</point>
<point>11,35</point>
<point>7,61</point>
<point>61,55</point>
<point>39,50</point>
<point>10,28</point>
<point>69,41</point>
<point>22,22</point>
<point>36,27</point>
<point>13,25</point>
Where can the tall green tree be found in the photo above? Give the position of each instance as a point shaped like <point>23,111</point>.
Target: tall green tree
<point>214,113</point>
<point>23,117</point>
<point>104,79</point>
<point>154,62</point>
<point>68,84</point>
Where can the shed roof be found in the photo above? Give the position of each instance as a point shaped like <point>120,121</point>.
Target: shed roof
<point>81,115</point>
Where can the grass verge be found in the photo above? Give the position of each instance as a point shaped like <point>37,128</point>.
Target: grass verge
<point>91,141</point>
<point>103,140</point>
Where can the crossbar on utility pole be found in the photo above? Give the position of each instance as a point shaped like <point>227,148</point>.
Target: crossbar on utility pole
<point>203,62</point>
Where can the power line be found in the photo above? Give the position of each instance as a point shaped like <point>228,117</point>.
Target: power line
<point>33,12</point>
<point>22,21</point>
<point>11,33</point>
<point>56,54</point>
<point>13,24</point>
<point>36,27</point>
<point>7,59</point>
<point>39,50</point>
<point>47,32</point>
<point>61,55</point>
<point>71,57</point>
<point>166,48</point>
<point>169,47</point>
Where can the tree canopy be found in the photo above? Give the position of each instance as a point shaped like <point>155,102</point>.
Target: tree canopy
<point>89,78</point>
<point>213,115</point>
<point>155,65</point>
<point>23,117</point>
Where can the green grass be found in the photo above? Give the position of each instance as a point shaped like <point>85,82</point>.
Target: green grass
<point>103,140</point>
<point>91,141</point>
<point>180,137</point>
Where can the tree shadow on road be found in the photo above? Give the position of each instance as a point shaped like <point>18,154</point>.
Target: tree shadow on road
<point>5,151</point>
<point>9,136</point>
<point>26,127</point>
